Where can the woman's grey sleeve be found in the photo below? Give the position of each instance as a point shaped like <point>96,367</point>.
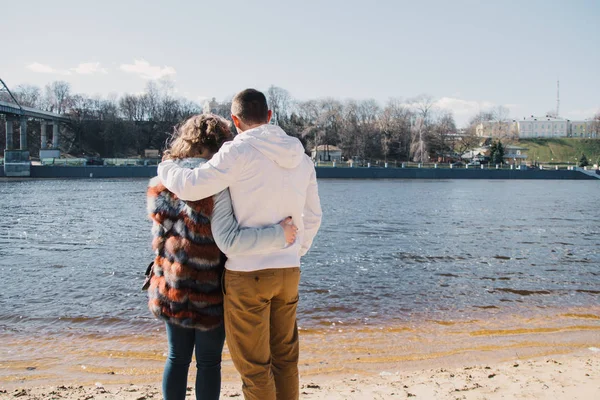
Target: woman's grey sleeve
<point>232,239</point>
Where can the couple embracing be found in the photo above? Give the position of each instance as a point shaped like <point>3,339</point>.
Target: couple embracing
<point>231,219</point>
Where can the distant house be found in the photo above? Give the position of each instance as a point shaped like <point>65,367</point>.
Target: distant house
<point>326,152</point>
<point>151,153</point>
<point>512,154</point>
<point>477,154</point>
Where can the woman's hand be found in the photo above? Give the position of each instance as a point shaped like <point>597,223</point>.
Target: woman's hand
<point>289,229</point>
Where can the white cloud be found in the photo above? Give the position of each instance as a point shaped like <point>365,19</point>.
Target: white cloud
<point>463,108</point>
<point>46,69</point>
<point>89,68</point>
<point>147,71</point>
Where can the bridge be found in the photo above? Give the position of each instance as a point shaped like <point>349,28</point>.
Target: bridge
<point>16,161</point>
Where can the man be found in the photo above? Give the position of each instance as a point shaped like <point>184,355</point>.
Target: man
<point>270,178</point>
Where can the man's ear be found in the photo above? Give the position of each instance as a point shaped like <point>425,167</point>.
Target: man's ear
<point>236,121</point>
<point>269,115</point>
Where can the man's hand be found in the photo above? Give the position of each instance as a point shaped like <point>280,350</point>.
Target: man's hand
<point>289,229</point>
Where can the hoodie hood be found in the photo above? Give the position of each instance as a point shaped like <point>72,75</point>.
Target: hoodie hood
<point>286,151</point>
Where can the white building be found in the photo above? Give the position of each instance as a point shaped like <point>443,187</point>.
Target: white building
<point>584,129</point>
<point>326,152</point>
<point>539,127</point>
<point>496,129</point>
<point>542,127</point>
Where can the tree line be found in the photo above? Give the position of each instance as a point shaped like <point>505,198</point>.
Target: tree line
<point>106,126</point>
<point>124,126</point>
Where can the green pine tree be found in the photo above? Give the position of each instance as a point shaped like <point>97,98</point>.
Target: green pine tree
<point>499,153</point>
<point>493,149</point>
<point>583,161</point>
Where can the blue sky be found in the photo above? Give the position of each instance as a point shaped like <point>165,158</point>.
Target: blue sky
<point>468,54</point>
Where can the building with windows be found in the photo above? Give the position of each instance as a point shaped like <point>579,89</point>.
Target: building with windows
<point>539,127</point>
<point>584,129</point>
<point>496,129</point>
<point>326,152</point>
<point>515,155</point>
<point>542,127</point>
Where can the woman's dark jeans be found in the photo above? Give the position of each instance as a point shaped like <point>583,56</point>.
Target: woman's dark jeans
<point>209,346</point>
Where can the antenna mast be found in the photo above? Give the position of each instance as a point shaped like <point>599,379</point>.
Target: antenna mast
<point>557,98</point>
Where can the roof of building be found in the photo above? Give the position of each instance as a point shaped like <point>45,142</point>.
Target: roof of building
<point>543,118</point>
<point>326,147</point>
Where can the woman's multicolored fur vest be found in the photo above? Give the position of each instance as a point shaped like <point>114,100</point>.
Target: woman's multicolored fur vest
<point>186,286</point>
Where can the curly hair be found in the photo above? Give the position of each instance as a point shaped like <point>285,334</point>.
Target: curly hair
<point>198,133</point>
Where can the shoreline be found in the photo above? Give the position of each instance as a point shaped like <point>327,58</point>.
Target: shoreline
<point>337,359</point>
<point>100,172</point>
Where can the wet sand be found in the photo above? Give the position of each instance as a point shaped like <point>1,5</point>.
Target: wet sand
<point>542,357</point>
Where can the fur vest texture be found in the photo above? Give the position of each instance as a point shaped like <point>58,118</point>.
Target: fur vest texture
<point>186,286</point>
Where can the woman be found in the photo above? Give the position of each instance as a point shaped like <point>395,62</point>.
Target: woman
<point>185,289</point>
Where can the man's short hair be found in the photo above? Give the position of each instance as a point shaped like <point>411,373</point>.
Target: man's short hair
<point>251,107</point>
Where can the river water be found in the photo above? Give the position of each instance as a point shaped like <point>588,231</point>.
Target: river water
<point>73,253</point>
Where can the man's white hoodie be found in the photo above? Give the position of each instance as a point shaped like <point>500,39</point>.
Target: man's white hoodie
<point>270,178</point>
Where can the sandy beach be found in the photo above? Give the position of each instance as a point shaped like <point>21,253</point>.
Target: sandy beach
<point>513,357</point>
<point>573,376</point>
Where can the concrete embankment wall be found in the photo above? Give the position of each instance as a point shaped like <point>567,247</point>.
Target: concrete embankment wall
<point>92,171</point>
<point>439,173</point>
<point>38,171</point>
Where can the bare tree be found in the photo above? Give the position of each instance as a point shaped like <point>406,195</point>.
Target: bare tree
<point>151,101</point>
<point>502,127</point>
<point>418,147</point>
<point>57,96</point>
<point>132,107</point>
<point>442,134</point>
<point>28,95</point>
<point>596,125</point>
<point>424,106</point>
<point>465,141</point>
<point>394,126</point>
<point>279,101</point>
<point>482,118</point>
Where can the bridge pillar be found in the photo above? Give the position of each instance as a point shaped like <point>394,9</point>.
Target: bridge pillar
<point>9,133</point>
<point>44,143</point>
<point>16,162</point>
<point>55,134</point>
<point>23,134</point>
<point>52,150</point>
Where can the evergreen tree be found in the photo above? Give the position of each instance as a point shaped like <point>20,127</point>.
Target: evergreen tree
<point>583,161</point>
<point>497,153</point>
<point>493,149</point>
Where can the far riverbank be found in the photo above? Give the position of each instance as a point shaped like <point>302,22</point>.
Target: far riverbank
<point>56,171</point>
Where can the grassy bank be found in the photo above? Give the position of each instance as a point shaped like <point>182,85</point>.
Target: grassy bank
<point>561,150</point>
